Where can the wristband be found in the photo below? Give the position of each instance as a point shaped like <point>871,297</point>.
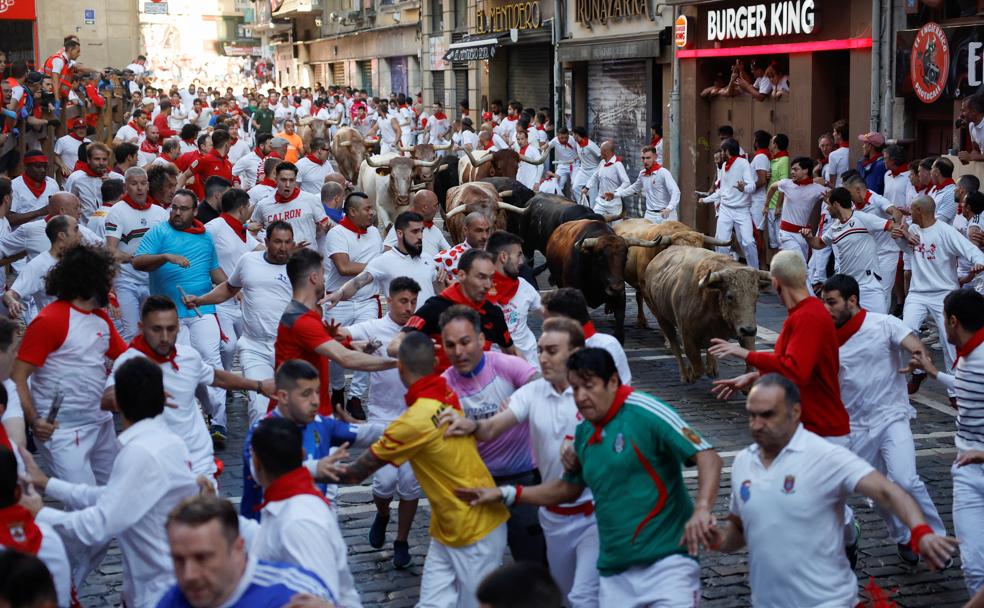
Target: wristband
<point>259,386</point>
<point>917,533</point>
<point>519,492</point>
<point>347,342</point>
<point>509,495</point>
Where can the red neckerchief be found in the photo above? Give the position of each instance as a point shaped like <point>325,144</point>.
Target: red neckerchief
<point>609,163</point>
<point>18,530</point>
<point>266,181</point>
<point>488,145</point>
<point>257,152</point>
<point>762,151</point>
<point>540,128</point>
<point>348,224</point>
<point>823,161</point>
<point>440,115</point>
<point>869,161</point>
<point>729,162</point>
<point>140,344</point>
<point>899,170</point>
<point>655,140</point>
<point>286,199</point>
<point>806,181</point>
<point>75,137</point>
<point>513,119</point>
<point>296,483</point>
<point>147,146</point>
<point>197,227</point>
<point>864,203</point>
<point>457,296</point>
<point>845,331</point>
<point>585,144</point>
<point>523,149</point>
<point>134,204</point>
<point>81,166</point>
<point>36,188</point>
<point>589,329</point>
<point>656,167</point>
<point>135,127</point>
<point>236,226</point>
<point>433,387</point>
<point>428,224</point>
<point>503,288</point>
<point>925,188</point>
<point>943,184</point>
<point>845,144</point>
<point>969,347</point>
<point>780,154</point>
<point>314,159</point>
<point>621,394</point>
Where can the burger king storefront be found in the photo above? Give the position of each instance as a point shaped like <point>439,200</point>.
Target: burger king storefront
<point>819,54</point>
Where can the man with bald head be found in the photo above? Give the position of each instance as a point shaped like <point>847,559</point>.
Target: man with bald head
<point>477,230</point>
<point>935,249</point>
<point>609,177</point>
<point>63,233</point>
<point>425,205</point>
<point>30,238</point>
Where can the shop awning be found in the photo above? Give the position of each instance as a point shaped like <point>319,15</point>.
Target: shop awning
<point>472,50</point>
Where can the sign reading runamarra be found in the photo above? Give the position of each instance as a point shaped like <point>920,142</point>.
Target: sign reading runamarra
<point>602,11</point>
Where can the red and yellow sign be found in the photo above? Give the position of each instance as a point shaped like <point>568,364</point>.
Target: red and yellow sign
<point>929,64</point>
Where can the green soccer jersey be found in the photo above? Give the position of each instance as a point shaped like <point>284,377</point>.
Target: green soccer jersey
<point>780,170</point>
<point>265,119</point>
<point>632,462</point>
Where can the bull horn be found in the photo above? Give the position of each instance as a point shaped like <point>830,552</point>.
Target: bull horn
<point>374,164</point>
<point>399,146</point>
<point>417,187</point>
<point>345,144</point>
<point>505,194</point>
<point>443,147</point>
<point>512,208</point>
<point>710,241</point>
<point>426,163</point>
<point>632,241</point>
<point>477,163</point>
<point>712,280</point>
<point>454,212</point>
<point>443,168</point>
<point>527,159</point>
<point>612,218</point>
<point>587,244</point>
<point>765,275</point>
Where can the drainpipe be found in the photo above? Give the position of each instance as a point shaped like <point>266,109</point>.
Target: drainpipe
<point>674,131</point>
<point>888,68</point>
<point>556,31</point>
<point>876,53</point>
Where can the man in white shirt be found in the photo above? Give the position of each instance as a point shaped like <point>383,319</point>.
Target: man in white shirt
<point>942,190</point>
<point>314,167</point>
<point>33,188</point>
<point>150,477</point>
<point>588,159</point>
<point>201,114</point>
<point>262,278</point>
<point>610,177</point>
<point>477,231</point>
<point>86,182</point>
<point>839,161</point>
<point>565,156</point>
<point>732,201</point>
<point>798,195</point>
<point>126,224</point>
<point>513,294</point>
<point>547,405</point>
<point>63,233</point>
<point>867,201</point>
<point>761,163</point>
<point>66,147</point>
<point>302,210</point>
<point>389,128</point>
<point>266,186</point>
<point>133,131</point>
<point>348,249</point>
<point>528,173</point>
<point>871,346</point>
<point>184,371</point>
<point>972,112</point>
<point>661,191</point>
<point>247,166</point>
<point>297,525</point>
<point>404,260</point>
<point>935,249</point>
<point>424,203</point>
<point>569,302</point>
<point>438,126</point>
<point>898,186</point>
<point>791,519</point>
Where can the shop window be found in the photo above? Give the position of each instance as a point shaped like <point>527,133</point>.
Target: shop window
<point>761,78</point>
<point>437,15</point>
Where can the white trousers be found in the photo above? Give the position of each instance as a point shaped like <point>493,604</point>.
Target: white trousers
<point>817,266</point>
<point>888,264</point>
<point>603,207</point>
<point>256,358</point>
<point>773,224</point>
<point>794,241</point>
<point>390,481</point>
<point>564,174</point>
<point>203,334</point>
<point>572,551</point>
<point>349,313</point>
<point>758,212</point>
<point>919,305</point>
<point>872,295</point>
<point>968,513</point>
<point>452,574</point>
<point>891,450</point>
<point>738,220</point>
<point>672,582</point>
<point>231,320</point>
<point>656,216</point>
<point>131,297</point>
<point>850,532</point>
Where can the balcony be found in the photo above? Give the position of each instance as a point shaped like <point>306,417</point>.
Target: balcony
<point>295,8</point>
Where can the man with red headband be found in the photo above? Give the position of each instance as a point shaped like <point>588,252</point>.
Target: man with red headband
<point>31,189</point>
<point>87,179</point>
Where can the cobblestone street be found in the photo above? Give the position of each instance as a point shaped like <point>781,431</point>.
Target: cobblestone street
<point>725,581</point>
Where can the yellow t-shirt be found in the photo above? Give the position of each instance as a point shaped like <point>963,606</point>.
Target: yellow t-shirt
<point>441,465</point>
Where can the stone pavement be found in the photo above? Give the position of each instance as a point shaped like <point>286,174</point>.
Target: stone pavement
<point>725,582</point>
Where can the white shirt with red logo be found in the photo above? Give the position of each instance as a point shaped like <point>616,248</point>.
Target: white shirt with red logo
<point>449,258</point>
<point>304,213</point>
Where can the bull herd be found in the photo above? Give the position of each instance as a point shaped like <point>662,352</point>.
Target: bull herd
<point>694,293</point>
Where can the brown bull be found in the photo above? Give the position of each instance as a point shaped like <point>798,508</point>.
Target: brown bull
<point>492,163</point>
<point>589,256</point>
<point>676,233</point>
<point>348,147</point>
<point>427,153</point>
<point>315,127</point>
<point>480,197</point>
<point>697,295</point>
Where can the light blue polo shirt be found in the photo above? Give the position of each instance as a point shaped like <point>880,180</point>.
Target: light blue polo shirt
<point>196,279</point>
